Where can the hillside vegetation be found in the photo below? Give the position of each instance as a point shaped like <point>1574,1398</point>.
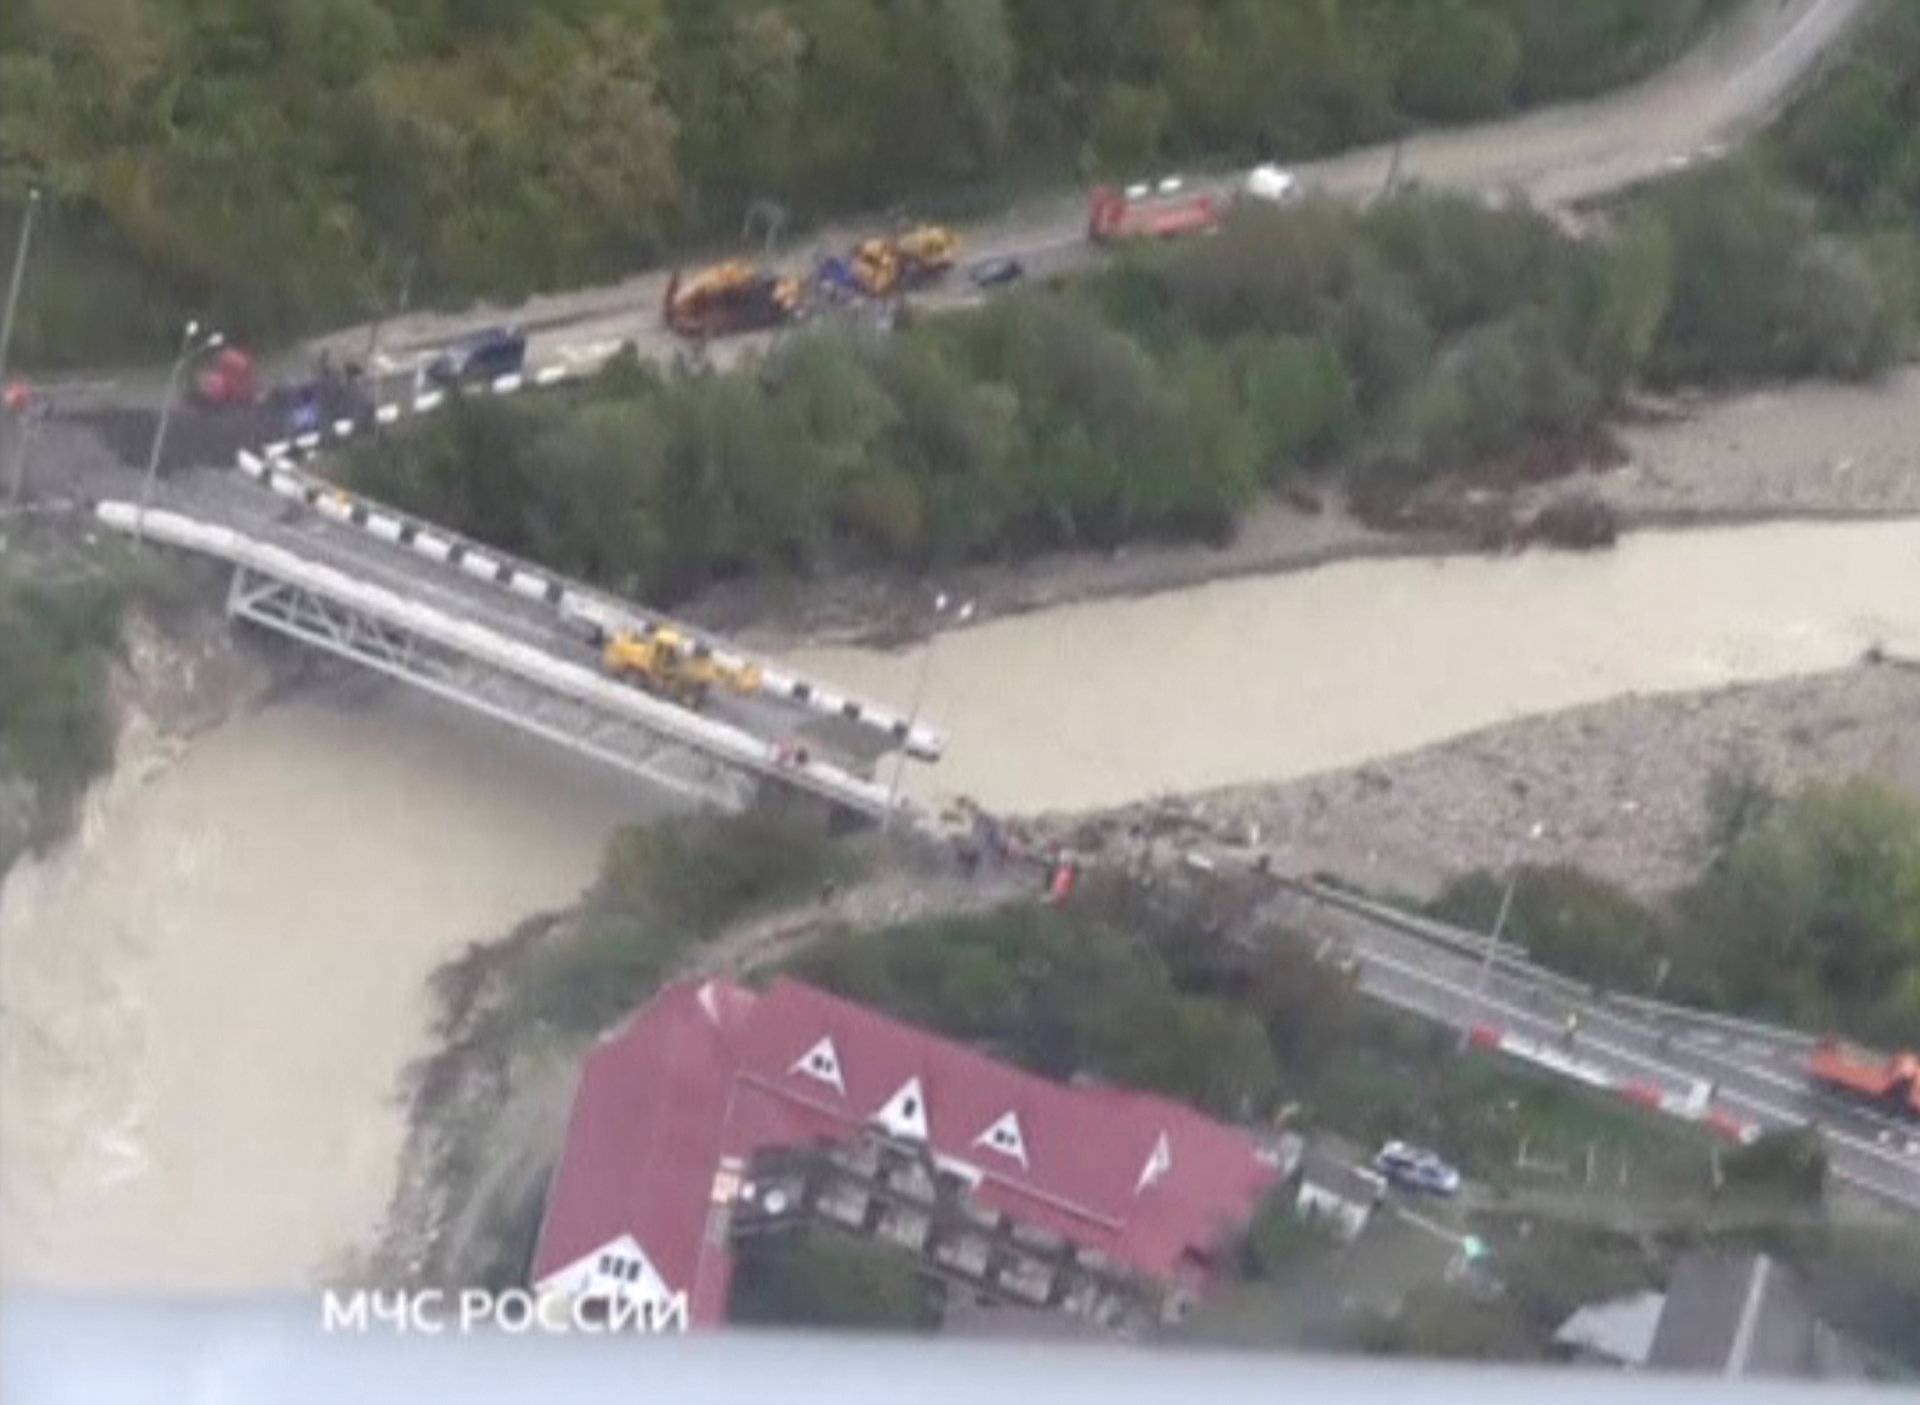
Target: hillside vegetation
<point>276,166</point>
<point>1374,351</point>
<point>1807,912</point>
<point>56,732</point>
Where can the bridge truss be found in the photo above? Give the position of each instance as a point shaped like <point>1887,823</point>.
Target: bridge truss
<point>349,632</point>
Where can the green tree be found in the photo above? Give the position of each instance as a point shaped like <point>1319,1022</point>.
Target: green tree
<point>1567,920</point>
<point>1815,915</point>
<point>818,1278</point>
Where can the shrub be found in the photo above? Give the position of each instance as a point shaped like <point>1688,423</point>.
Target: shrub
<point>817,1278</point>
<point>1790,1163</point>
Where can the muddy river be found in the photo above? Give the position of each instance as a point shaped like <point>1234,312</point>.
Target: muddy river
<point>1270,678</point>
<point>210,994</point>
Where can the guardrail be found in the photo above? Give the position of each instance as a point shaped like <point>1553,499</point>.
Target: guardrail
<point>492,566</point>
<point>1518,963</point>
<point>712,738</point>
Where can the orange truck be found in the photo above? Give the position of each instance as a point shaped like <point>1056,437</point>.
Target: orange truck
<point>1890,1084</point>
<point>729,297</point>
<point>1165,211</point>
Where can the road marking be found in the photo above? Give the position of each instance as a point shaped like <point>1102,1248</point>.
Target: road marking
<point>1730,1095</point>
<point>1433,1227</point>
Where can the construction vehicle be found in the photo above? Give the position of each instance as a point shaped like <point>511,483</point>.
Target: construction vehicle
<point>882,267</point>
<point>1164,211</point>
<point>227,379</point>
<point>1888,1084</point>
<point>671,665</point>
<point>735,296</point>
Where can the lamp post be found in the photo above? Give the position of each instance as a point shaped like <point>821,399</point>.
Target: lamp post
<point>28,408</point>
<point>189,348</point>
<point>961,614</point>
<point>1486,961</point>
<point>19,274</point>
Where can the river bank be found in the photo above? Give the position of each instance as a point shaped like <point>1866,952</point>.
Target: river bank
<point>1616,787</point>
<point>1814,451</point>
<point>211,987</point>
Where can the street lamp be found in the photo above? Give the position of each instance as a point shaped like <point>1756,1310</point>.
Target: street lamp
<point>189,348</point>
<point>29,409</point>
<point>961,614</point>
<point>19,273</point>
<point>1486,961</point>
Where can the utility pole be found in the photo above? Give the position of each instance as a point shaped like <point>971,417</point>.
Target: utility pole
<point>961,616</point>
<point>1486,961</point>
<point>31,411</point>
<point>187,351</point>
<point>19,275</point>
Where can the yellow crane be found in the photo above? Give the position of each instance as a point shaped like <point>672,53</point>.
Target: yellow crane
<point>907,260</point>
<point>668,664</point>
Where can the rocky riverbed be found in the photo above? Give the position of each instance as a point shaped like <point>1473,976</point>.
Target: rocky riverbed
<point>1616,787</point>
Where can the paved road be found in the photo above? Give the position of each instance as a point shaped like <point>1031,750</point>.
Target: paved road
<point>1733,81</point>
<point>70,463</point>
<point>1761,1085</point>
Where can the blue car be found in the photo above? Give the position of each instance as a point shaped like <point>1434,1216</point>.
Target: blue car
<point>498,351</point>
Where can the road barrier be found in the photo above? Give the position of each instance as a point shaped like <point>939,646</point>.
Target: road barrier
<point>722,742</point>
<point>271,468</point>
<point>1692,1105</point>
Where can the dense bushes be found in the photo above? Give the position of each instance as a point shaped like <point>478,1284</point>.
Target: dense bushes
<point>1153,400</point>
<point>1758,291</point>
<point>1079,992</point>
<point>817,1278</point>
<point>56,732</point>
<point>1809,912</point>
<point>276,166</point>
<point>663,889</point>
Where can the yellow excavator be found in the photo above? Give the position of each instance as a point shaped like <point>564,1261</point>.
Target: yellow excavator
<point>668,664</point>
<point>922,254</point>
<point>729,297</point>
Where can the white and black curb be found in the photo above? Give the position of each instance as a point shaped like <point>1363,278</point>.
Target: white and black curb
<point>273,469</point>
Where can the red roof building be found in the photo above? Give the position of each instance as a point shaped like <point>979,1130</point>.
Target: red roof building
<point>673,1108</point>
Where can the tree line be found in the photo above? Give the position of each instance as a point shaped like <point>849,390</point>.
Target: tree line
<point>1806,912</point>
<point>1373,351</point>
<point>274,167</point>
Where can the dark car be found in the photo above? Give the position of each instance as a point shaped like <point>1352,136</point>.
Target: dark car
<point>995,272</point>
<point>498,351</point>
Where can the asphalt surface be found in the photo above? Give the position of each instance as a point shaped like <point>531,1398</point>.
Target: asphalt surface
<point>1758,1081</point>
<point>1735,79</point>
<point>71,462</point>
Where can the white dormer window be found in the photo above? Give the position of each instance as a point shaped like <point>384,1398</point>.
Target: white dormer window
<point>619,1268</point>
<point>1004,1136</point>
<point>822,1063</point>
<point>1158,1164</point>
<point>905,1113</point>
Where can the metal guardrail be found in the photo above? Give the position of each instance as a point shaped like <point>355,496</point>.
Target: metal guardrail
<point>274,470</point>
<point>375,626</point>
<point>1518,963</point>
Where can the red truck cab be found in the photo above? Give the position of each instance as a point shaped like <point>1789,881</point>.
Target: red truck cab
<point>1139,211</point>
<point>1891,1084</point>
<point>227,378</point>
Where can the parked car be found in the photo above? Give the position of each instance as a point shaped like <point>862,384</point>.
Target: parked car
<point>497,351</point>
<point>996,272</point>
<point>1414,1168</point>
<point>1271,185</point>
